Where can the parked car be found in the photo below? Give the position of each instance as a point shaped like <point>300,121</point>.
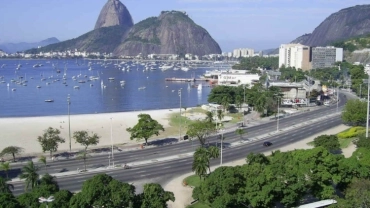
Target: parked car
<point>266,144</point>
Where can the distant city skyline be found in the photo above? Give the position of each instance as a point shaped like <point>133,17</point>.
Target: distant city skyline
<point>257,24</point>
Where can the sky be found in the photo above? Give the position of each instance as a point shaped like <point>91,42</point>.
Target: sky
<point>258,24</point>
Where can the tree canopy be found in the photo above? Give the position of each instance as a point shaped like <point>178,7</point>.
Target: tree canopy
<point>200,130</point>
<point>50,140</point>
<point>252,63</point>
<point>329,142</point>
<point>12,150</point>
<point>145,128</point>
<point>354,112</point>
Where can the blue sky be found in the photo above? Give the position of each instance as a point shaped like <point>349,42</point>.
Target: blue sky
<point>258,24</point>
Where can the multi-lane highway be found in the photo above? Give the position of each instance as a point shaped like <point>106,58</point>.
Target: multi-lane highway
<point>180,165</point>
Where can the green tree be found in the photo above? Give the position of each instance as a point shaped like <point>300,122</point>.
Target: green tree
<point>61,199</point>
<point>240,132</point>
<point>362,142</point>
<point>200,129</point>
<point>5,166</point>
<point>213,152</point>
<point>354,112</point>
<point>104,191</point>
<point>329,142</point>
<point>155,196</point>
<point>226,100</point>
<point>145,128</point>
<point>42,159</point>
<point>4,186</point>
<point>257,158</point>
<point>29,173</point>
<point>12,150</point>
<point>239,101</point>
<point>86,140</point>
<point>357,194</point>
<point>9,201</point>
<point>209,117</point>
<point>200,162</point>
<point>50,140</point>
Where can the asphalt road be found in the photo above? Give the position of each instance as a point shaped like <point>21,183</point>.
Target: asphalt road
<point>182,165</point>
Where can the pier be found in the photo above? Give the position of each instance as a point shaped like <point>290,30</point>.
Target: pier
<point>174,79</point>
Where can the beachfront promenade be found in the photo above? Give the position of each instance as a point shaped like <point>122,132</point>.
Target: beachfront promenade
<point>163,162</point>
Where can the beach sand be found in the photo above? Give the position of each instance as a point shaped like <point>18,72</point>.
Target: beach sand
<point>23,132</point>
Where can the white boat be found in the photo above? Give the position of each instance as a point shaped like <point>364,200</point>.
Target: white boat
<point>38,86</point>
<point>111,78</point>
<point>200,87</point>
<point>14,89</point>
<point>49,101</point>
<point>76,87</point>
<point>185,68</point>
<point>90,68</point>
<point>142,88</point>
<point>122,82</point>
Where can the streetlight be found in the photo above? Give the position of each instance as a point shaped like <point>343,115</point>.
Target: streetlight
<point>50,199</point>
<point>222,139</point>
<point>277,122</point>
<point>69,122</point>
<point>367,117</point>
<point>360,90</point>
<point>111,140</point>
<point>179,92</point>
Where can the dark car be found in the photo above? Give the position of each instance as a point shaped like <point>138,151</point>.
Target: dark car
<point>266,144</point>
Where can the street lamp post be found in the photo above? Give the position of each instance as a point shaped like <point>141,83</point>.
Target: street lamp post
<point>111,140</point>
<point>360,90</point>
<point>179,92</point>
<point>277,123</point>
<point>367,112</point>
<point>222,139</point>
<point>69,122</point>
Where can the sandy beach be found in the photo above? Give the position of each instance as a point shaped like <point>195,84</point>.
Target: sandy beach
<point>23,131</point>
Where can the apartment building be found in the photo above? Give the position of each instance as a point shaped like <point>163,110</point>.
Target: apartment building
<point>243,52</point>
<point>294,55</point>
<point>322,57</point>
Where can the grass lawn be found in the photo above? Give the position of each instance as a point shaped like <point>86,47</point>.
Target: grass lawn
<point>237,117</point>
<point>344,143</point>
<point>193,180</point>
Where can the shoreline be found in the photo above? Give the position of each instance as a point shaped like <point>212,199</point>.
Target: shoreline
<point>23,131</point>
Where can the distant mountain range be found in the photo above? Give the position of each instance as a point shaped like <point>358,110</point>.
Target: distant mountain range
<point>18,47</point>
<point>342,25</point>
<point>172,32</point>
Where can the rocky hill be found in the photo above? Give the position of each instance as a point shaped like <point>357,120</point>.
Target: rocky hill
<point>15,47</point>
<point>344,24</point>
<point>173,32</point>
<point>114,13</point>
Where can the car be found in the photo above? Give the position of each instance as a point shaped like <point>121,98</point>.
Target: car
<point>266,144</point>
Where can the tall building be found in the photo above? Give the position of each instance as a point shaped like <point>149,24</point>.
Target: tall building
<point>294,55</point>
<point>323,57</point>
<point>243,52</point>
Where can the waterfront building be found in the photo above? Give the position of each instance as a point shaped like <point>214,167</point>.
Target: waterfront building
<point>294,55</point>
<point>293,93</point>
<point>235,79</point>
<point>323,57</point>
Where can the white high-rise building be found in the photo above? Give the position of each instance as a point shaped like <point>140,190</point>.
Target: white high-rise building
<point>294,55</point>
<point>243,52</point>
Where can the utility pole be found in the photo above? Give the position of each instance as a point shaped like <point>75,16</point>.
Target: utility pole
<point>179,92</point>
<point>111,140</point>
<point>367,117</point>
<point>69,122</point>
<point>277,123</point>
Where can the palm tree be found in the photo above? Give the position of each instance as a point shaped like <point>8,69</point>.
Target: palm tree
<point>42,159</point>
<point>5,166</point>
<point>209,117</point>
<point>5,187</point>
<point>220,116</point>
<point>226,103</point>
<point>200,162</point>
<point>213,152</point>
<point>240,132</point>
<point>239,101</point>
<point>261,103</point>
<point>29,173</point>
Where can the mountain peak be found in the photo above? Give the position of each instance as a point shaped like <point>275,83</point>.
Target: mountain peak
<point>114,13</point>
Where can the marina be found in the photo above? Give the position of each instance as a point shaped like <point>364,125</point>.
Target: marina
<point>110,86</point>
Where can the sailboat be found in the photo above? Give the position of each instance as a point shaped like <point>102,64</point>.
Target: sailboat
<point>200,87</point>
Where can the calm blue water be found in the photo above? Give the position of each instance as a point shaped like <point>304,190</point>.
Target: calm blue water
<point>30,100</point>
